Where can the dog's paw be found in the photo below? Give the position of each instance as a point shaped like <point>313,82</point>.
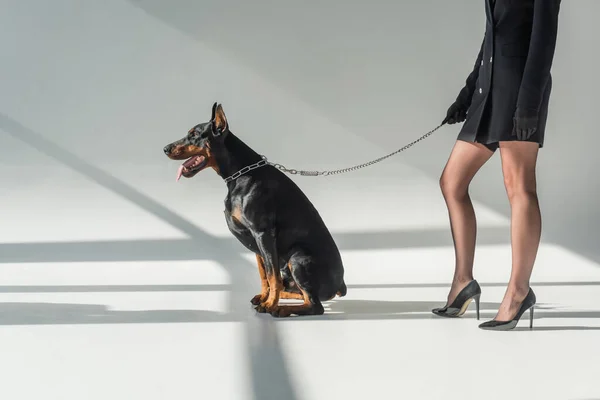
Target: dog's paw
<point>258,299</point>
<point>267,307</point>
<point>260,308</point>
<point>280,312</point>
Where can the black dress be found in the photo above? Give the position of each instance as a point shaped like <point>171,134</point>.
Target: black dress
<point>512,70</point>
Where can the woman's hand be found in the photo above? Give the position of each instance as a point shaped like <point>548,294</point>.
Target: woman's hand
<point>526,122</point>
<point>456,113</point>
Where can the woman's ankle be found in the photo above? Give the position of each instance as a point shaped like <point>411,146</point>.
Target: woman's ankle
<point>517,291</point>
<point>462,279</point>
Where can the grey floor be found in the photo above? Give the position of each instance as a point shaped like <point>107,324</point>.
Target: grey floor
<point>117,282</point>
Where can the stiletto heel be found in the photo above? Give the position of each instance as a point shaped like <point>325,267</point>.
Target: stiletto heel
<point>531,317</point>
<point>477,305</point>
<point>527,304</point>
<point>459,306</point>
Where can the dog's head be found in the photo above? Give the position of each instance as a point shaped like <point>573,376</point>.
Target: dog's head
<point>198,146</point>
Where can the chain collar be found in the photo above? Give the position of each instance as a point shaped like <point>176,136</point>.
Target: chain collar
<point>247,169</point>
<point>264,162</point>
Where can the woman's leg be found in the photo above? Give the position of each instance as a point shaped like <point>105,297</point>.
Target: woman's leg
<point>518,167</point>
<point>464,162</point>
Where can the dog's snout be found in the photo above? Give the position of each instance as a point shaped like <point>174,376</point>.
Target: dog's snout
<point>167,149</point>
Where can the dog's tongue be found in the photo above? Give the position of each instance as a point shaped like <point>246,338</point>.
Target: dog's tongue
<point>179,173</point>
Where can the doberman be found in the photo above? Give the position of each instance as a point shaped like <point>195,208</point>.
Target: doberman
<point>268,213</point>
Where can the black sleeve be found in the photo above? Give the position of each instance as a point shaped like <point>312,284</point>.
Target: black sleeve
<point>466,94</point>
<point>541,54</point>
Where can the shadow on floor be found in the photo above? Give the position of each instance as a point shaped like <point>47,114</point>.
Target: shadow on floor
<point>111,288</point>
<point>361,310</point>
<point>447,285</point>
<point>191,249</point>
<point>225,287</point>
<point>420,310</point>
<point>19,313</point>
<point>383,307</point>
<point>61,314</point>
<point>557,328</point>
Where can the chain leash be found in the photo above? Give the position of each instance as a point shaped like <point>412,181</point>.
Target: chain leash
<point>282,168</point>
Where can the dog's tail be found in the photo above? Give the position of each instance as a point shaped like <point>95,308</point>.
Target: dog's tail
<point>342,290</point>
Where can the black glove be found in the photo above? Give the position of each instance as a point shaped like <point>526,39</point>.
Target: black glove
<point>456,113</point>
<point>526,123</point>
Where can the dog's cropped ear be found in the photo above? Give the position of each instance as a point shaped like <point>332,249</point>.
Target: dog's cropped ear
<point>214,110</point>
<point>219,120</point>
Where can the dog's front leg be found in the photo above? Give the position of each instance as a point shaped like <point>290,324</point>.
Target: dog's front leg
<point>264,283</point>
<point>266,242</point>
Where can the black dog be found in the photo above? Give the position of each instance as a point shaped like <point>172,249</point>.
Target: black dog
<point>265,210</point>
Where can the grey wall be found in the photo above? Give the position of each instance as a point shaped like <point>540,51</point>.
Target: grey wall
<point>90,74</point>
<point>388,71</point>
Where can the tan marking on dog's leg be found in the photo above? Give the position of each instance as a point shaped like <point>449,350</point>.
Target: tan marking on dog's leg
<point>290,295</point>
<point>275,289</point>
<point>264,283</point>
<point>301,309</point>
<point>236,213</point>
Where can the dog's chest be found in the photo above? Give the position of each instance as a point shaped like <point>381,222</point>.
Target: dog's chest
<point>237,224</point>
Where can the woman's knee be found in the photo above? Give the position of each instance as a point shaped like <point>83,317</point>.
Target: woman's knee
<point>520,188</point>
<point>518,168</point>
<point>452,188</point>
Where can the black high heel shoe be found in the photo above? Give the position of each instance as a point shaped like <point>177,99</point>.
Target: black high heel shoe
<point>528,304</point>
<point>460,304</point>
